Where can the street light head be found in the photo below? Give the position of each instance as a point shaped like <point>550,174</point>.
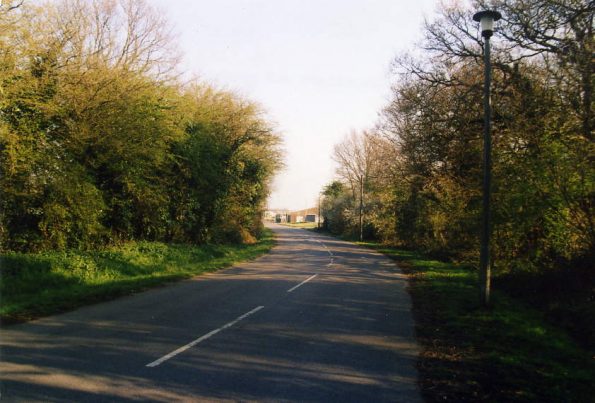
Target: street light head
<point>486,19</point>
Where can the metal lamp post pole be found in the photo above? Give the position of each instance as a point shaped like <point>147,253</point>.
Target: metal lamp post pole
<point>486,18</point>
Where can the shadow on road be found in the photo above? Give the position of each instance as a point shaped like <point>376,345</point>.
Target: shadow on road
<point>347,335</point>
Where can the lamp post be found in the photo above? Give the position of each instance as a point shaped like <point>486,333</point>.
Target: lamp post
<point>486,19</point>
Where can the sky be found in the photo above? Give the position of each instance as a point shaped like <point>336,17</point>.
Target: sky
<point>319,68</point>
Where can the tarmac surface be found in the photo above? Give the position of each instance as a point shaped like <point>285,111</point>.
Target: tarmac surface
<point>317,319</point>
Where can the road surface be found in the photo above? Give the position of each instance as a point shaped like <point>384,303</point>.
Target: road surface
<point>317,319</point>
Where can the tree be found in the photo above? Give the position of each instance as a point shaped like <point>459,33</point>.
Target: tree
<point>542,158</point>
<point>549,44</point>
<point>100,143</point>
<point>357,159</point>
<point>336,203</point>
<point>228,158</point>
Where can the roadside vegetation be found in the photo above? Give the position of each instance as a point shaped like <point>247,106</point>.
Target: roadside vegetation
<point>40,284</point>
<point>512,352</point>
<point>414,181</point>
<point>115,173</point>
<point>415,178</point>
<point>102,142</point>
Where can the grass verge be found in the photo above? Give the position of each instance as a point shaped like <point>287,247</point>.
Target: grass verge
<point>507,353</point>
<point>35,285</point>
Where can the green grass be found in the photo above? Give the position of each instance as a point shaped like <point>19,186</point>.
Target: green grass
<point>35,285</point>
<point>509,352</point>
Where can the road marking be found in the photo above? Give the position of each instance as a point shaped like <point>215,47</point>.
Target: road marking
<point>329,252</point>
<point>202,338</point>
<point>302,283</point>
<point>323,245</point>
<point>326,247</point>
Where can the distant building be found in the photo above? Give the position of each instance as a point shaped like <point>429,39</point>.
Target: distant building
<point>281,216</point>
<point>276,215</point>
<point>306,215</point>
<point>269,215</point>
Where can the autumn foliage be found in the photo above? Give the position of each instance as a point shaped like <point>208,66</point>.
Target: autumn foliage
<point>102,141</point>
<point>422,186</point>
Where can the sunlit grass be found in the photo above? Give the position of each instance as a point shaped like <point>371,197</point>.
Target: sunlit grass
<point>34,285</point>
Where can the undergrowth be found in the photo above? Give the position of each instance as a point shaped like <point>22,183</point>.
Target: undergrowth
<point>35,285</point>
<point>509,352</point>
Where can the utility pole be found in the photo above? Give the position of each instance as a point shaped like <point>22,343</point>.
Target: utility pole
<point>361,208</point>
<point>319,211</point>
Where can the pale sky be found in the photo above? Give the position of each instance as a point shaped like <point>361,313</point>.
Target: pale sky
<point>318,67</point>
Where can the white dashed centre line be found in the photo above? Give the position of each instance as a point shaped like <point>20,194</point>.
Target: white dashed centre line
<point>202,338</point>
<point>302,283</point>
<point>327,249</point>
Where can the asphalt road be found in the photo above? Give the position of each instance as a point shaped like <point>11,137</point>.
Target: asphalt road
<point>317,319</point>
